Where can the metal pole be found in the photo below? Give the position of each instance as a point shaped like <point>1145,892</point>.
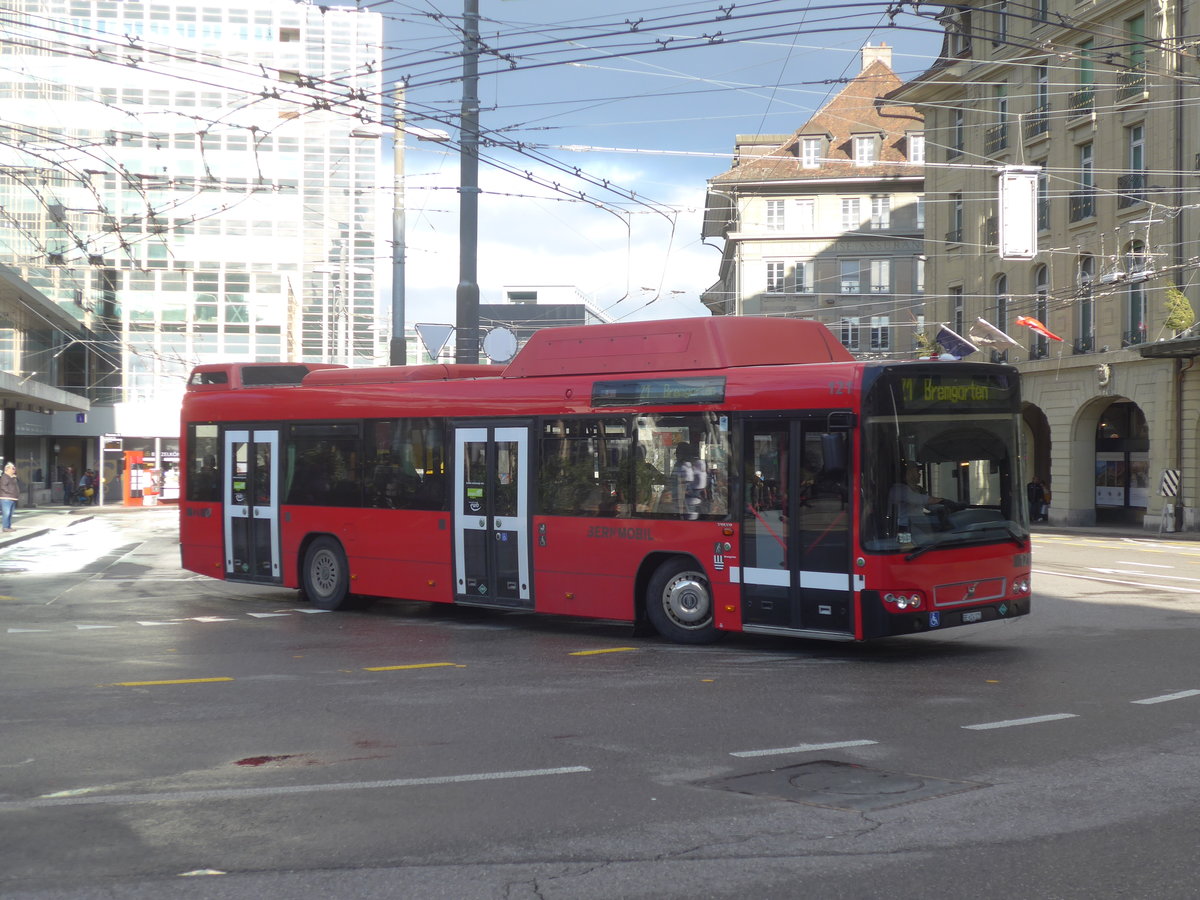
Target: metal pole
<point>467,295</point>
<point>398,349</point>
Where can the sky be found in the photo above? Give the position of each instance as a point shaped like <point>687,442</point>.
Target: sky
<point>599,132</point>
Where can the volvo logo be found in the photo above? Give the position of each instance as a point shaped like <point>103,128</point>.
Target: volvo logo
<point>970,591</point>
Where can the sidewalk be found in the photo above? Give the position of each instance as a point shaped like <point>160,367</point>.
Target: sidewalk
<point>34,522</point>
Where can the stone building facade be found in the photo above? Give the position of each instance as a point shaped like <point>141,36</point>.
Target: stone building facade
<point>1098,95</point>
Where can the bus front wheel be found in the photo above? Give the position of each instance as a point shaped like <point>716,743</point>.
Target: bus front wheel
<point>679,603</point>
<point>326,574</point>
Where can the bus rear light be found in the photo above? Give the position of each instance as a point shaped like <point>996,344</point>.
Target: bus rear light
<point>903,601</point>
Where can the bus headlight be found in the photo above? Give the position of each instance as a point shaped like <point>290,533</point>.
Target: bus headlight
<point>903,601</point>
<point>1021,585</point>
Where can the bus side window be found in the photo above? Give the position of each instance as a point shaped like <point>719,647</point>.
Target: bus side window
<point>585,469</point>
<point>203,482</point>
<point>658,440</point>
<point>404,464</point>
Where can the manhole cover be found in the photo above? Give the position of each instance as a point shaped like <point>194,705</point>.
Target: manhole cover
<point>839,785</point>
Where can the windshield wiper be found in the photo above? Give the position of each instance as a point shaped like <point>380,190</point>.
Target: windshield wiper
<point>965,538</point>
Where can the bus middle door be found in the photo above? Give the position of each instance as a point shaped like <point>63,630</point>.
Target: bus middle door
<point>795,528</point>
<point>251,503</point>
<point>491,516</point>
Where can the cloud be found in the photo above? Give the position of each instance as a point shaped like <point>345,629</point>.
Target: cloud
<point>610,248</point>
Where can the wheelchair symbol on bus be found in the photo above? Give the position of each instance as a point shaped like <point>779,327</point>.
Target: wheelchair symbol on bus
<point>935,619</point>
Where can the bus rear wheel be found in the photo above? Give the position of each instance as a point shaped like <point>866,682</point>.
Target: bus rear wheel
<point>679,603</point>
<point>326,575</point>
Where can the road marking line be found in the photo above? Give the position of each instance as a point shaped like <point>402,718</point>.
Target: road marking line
<point>27,630</point>
<point>1141,584</point>
<point>801,748</point>
<point>412,666</point>
<point>1130,562</point>
<point>244,793</point>
<point>267,615</point>
<point>1032,720</point>
<point>1143,574</point>
<point>1178,695</point>
<point>173,681</point>
<point>598,652</point>
<point>311,612</point>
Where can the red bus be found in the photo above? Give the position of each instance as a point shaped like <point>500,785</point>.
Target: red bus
<point>695,475</point>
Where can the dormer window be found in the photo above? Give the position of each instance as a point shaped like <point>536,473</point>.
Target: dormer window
<point>915,147</point>
<point>866,149</point>
<point>958,32</point>
<point>812,149</point>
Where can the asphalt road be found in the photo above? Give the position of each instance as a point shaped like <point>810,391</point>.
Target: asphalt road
<point>164,735</point>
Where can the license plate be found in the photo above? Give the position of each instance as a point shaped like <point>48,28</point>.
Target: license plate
<point>973,616</point>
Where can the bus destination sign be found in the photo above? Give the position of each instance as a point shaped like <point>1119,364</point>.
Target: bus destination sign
<point>956,391</point>
<point>659,391</point>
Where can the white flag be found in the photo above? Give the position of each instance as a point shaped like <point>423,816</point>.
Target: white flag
<point>984,332</point>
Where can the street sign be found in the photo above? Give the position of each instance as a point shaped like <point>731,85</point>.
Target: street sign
<point>434,337</point>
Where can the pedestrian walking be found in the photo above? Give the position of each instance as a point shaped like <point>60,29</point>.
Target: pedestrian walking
<point>10,493</point>
<point>1039,500</point>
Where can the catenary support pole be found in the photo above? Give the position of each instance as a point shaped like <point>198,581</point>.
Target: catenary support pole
<point>467,297</point>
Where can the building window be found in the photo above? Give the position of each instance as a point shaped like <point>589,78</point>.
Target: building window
<point>806,214</point>
<point>957,308</point>
<point>919,274</point>
<point>881,212</point>
<point>958,32</point>
<point>955,234</point>
<point>1087,305</point>
<point>957,134</point>
<point>1084,97</point>
<point>851,275</point>
<point>1131,186</point>
<point>1041,310</point>
<point>1000,35</point>
<point>995,137</point>
<point>866,150</point>
<point>920,204</point>
<point>1136,266</point>
<point>848,328</point>
<point>775,215</point>
<point>1043,197</point>
<point>916,147</point>
<point>810,152</point>
<point>775,277</point>
<point>802,279</point>
<point>881,333</point>
<point>1083,200</point>
<point>1001,309</point>
<point>1039,117</point>
<point>851,218</point>
<point>881,276</point>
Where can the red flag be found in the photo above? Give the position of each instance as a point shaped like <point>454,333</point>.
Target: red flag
<point>1037,326</point>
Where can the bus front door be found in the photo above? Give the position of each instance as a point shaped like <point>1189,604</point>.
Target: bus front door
<point>252,505</point>
<point>491,516</point>
<point>796,528</point>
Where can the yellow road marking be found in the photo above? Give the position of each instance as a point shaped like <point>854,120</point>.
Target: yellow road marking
<point>597,652</point>
<point>413,666</point>
<point>174,681</point>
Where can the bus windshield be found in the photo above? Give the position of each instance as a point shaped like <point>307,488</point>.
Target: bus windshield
<point>940,463</point>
